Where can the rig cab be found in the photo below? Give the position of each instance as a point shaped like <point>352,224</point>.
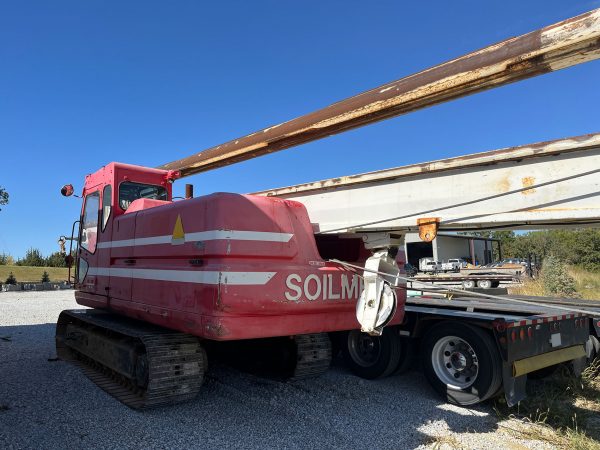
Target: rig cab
<point>109,193</point>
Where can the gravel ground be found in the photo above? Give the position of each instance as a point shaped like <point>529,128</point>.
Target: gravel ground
<point>50,404</point>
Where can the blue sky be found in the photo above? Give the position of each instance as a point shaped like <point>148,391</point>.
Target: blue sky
<point>83,83</point>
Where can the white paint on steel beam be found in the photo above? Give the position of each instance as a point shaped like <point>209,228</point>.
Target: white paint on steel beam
<point>211,235</point>
<point>537,150</point>
<point>555,188</point>
<point>186,276</point>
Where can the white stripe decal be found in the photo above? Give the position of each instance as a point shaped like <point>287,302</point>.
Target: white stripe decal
<point>211,235</point>
<point>186,276</point>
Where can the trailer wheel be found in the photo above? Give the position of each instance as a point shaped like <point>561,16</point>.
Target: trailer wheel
<point>495,284</point>
<point>462,363</point>
<point>468,284</point>
<point>372,357</point>
<point>592,347</point>
<point>408,355</point>
<point>484,284</point>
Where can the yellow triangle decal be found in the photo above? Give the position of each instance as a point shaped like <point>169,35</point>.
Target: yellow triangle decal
<point>178,233</point>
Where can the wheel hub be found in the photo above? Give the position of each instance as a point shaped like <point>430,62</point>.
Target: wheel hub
<point>455,362</point>
<point>363,348</point>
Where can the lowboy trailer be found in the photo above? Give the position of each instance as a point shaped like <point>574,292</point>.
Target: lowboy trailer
<point>472,349</point>
<point>482,281</point>
<point>164,277</point>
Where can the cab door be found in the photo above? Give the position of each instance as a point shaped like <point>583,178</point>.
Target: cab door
<point>105,227</point>
<point>88,270</point>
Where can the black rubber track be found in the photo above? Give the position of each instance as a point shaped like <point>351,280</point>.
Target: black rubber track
<point>313,355</point>
<point>176,361</point>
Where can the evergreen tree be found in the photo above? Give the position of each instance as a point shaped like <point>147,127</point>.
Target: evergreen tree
<point>33,257</point>
<point>11,279</point>
<point>556,279</point>
<point>3,197</point>
<point>56,259</point>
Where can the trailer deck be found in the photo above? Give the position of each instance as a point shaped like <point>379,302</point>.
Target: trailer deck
<point>470,307</point>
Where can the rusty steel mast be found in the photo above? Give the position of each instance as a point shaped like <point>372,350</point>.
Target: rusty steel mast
<point>564,44</point>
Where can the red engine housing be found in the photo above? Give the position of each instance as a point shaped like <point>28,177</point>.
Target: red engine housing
<point>223,266</point>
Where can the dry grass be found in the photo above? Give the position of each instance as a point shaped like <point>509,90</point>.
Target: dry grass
<point>33,274</point>
<point>561,410</point>
<point>529,287</point>
<point>537,431</point>
<point>587,285</point>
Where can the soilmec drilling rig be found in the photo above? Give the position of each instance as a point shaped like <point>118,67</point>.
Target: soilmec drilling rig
<point>165,277</point>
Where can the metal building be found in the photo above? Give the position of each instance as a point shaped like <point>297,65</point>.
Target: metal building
<point>475,250</point>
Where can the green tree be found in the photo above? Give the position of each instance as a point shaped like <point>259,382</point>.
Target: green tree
<point>574,247</point>
<point>33,257</point>
<point>6,260</point>
<point>56,259</point>
<point>3,197</point>
<point>555,278</point>
<point>11,279</point>
<point>586,249</point>
<point>45,277</point>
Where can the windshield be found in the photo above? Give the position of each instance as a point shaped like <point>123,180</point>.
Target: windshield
<point>129,191</point>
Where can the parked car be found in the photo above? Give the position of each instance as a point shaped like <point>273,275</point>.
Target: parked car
<point>429,265</point>
<point>453,265</point>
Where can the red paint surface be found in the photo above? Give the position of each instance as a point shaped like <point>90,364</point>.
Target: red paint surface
<point>220,311</point>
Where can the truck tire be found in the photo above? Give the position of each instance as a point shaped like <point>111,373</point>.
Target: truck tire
<point>484,284</point>
<point>462,363</point>
<point>372,357</point>
<point>592,348</point>
<point>468,284</point>
<point>495,284</point>
<point>407,357</point>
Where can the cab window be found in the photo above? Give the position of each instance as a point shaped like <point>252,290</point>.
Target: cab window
<point>89,227</point>
<point>106,205</point>
<point>129,191</point>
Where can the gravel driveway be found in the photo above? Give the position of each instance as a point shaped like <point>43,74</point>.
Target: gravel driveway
<point>50,404</point>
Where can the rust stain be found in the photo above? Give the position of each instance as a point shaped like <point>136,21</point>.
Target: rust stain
<point>527,182</point>
<point>504,184</point>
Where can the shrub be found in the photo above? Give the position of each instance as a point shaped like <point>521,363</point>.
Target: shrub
<point>11,279</point>
<point>45,277</point>
<point>556,279</point>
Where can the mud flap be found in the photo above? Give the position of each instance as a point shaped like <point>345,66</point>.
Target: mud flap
<point>514,387</point>
<point>578,365</point>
